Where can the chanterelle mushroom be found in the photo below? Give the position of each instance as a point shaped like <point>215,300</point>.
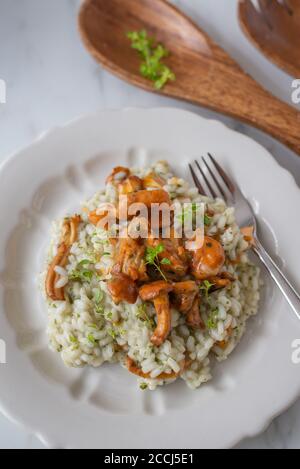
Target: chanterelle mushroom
<point>174,252</point>
<point>118,174</point>
<point>158,292</point>
<point>69,236</point>
<point>122,288</point>
<point>130,259</point>
<point>208,260</point>
<point>145,197</point>
<point>153,181</point>
<point>193,317</point>
<point>186,300</point>
<point>184,294</point>
<point>129,185</point>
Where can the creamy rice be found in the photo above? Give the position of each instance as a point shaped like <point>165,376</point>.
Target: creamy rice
<point>88,329</point>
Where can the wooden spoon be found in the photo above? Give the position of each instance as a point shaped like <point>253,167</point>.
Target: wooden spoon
<point>205,73</point>
<point>275,29</point>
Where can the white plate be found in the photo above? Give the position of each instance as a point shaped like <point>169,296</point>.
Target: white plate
<point>104,407</point>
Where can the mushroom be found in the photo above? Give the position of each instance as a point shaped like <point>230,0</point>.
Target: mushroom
<point>184,294</point>
<point>69,236</point>
<point>193,317</point>
<point>153,181</point>
<point>96,217</point>
<point>118,174</point>
<point>122,288</point>
<point>158,292</point>
<point>129,185</point>
<point>175,254</point>
<point>130,259</point>
<point>223,280</point>
<point>56,294</point>
<point>208,260</point>
<point>144,197</point>
<point>186,300</point>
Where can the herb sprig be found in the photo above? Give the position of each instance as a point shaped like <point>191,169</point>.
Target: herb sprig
<point>152,258</point>
<point>152,54</point>
<point>205,286</point>
<point>81,273</point>
<point>212,321</point>
<point>143,316</point>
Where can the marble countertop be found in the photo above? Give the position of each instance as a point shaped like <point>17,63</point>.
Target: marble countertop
<point>51,79</point>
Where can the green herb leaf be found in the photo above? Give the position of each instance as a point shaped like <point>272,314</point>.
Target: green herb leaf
<point>152,258</point>
<point>83,263</point>
<point>99,310</point>
<point>91,339</point>
<point>112,333</point>
<point>81,274</point>
<point>151,68</point>
<point>212,321</point>
<point>207,220</point>
<point>98,296</point>
<point>73,339</point>
<point>165,261</point>
<point>205,287</point>
<point>143,386</point>
<point>143,316</point>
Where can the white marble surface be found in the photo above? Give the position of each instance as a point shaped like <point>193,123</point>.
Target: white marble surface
<point>51,79</point>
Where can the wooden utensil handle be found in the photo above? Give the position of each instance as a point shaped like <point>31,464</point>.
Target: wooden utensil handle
<point>250,102</point>
<point>273,116</point>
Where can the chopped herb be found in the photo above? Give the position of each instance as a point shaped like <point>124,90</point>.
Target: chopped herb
<point>189,212</point>
<point>205,287</point>
<point>152,258</point>
<point>207,220</point>
<point>212,321</point>
<point>93,326</point>
<point>91,339</point>
<point>165,261</point>
<point>112,333</point>
<point>143,316</point>
<point>73,339</point>
<point>81,274</point>
<point>83,263</point>
<point>106,254</point>
<point>99,309</point>
<point>109,315</point>
<point>143,386</point>
<point>152,54</point>
<point>98,296</point>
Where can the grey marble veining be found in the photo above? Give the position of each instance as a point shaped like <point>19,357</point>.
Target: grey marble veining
<point>51,79</point>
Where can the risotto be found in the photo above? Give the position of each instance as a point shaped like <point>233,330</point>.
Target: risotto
<point>159,320</point>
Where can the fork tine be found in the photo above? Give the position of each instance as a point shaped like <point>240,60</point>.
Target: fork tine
<point>196,181</point>
<point>215,180</point>
<point>228,182</point>
<point>213,193</point>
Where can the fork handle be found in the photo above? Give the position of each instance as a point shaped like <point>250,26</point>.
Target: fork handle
<point>288,291</point>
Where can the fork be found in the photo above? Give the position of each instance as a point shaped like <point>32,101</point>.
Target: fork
<point>212,181</point>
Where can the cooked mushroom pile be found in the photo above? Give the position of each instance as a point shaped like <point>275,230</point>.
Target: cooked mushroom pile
<point>158,270</point>
<point>125,284</point>
<point>161,271</point>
